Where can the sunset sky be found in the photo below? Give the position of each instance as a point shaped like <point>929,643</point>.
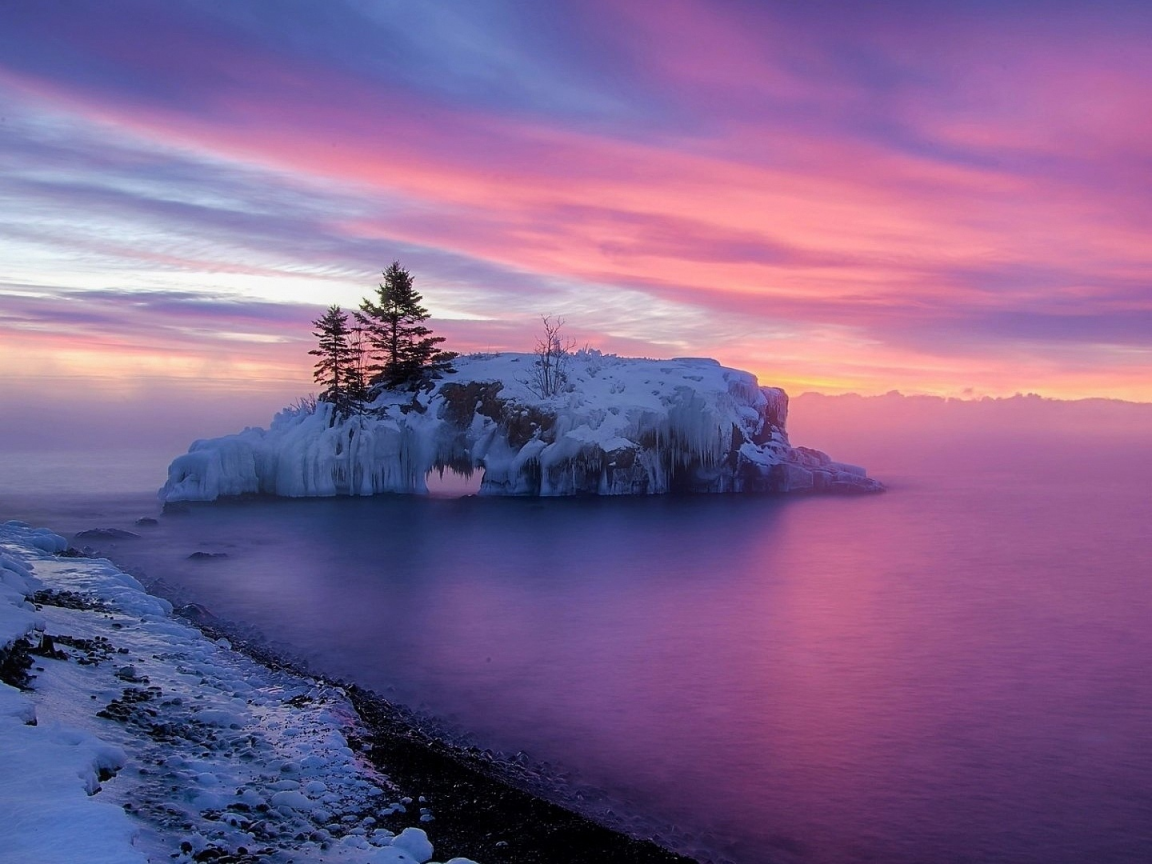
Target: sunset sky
<point>948,198</point>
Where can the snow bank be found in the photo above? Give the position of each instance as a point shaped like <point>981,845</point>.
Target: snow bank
<point>48,771</point>
<point>620,427</point>
<point>18,617</point>
<point>139,739</point>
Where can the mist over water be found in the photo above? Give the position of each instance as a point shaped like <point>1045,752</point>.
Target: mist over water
<point>953,671</point>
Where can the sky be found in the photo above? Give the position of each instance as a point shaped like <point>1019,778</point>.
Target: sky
<point>945,198</point>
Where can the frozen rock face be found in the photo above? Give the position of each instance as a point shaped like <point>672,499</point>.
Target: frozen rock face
<point>620,427</point>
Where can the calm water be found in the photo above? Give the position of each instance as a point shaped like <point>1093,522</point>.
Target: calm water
<point>955,671</point>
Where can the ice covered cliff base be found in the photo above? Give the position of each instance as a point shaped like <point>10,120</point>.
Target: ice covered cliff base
<point>619,427</point>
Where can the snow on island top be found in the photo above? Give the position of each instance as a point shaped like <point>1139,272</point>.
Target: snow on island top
<point>619,426</point>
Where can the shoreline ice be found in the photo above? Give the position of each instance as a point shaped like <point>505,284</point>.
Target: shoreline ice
<point>141,739</point>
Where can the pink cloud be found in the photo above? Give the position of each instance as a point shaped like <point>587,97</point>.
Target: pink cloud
<point>911,185</point>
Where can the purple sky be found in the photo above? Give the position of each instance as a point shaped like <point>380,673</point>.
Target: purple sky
<point>942,198</point>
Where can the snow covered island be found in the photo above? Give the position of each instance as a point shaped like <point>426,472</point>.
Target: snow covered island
<point>620,426</point>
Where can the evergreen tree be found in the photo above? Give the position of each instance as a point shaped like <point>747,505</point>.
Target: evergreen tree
<point>358,373</point>
<point>337,369</point>
<point>405,350</point>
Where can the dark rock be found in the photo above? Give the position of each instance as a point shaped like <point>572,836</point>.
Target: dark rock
<point>207,556</point>
<point>106,534</point>
<point>15,661</point>
<point>479,799</point>
<point>195,613</point>
<point>47,648</point>
<point>461,401</point>
<point>69,600</point>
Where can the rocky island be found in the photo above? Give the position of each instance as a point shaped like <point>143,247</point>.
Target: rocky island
<point>616,426</point>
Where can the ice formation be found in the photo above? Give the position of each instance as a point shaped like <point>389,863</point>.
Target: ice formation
<point>620,427</point>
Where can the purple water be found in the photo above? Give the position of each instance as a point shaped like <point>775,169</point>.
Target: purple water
<point>954,671</point>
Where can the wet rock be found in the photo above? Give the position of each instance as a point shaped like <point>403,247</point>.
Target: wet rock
<point>195,613</point>
<point>106,534</point>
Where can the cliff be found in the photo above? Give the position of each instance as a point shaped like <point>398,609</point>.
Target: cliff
<point>620,427</point>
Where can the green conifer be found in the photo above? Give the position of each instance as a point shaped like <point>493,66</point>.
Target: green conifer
<point>338,369</point>
<point>404,350</point>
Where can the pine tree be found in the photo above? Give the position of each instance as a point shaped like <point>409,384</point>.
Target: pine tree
<point>358,373</point>
<point>404,348</point>
<point>336,370</point>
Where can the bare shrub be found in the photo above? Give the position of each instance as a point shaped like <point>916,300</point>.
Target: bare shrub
<point>550,372</point>
<point>304,405</point>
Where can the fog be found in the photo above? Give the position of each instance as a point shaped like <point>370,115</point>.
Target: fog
<point>896,435</point>
<point>113,442</point>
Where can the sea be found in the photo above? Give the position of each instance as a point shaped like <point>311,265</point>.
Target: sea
<point>956,670</point>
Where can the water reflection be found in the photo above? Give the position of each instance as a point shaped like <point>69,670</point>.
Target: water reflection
<point>955,671</point>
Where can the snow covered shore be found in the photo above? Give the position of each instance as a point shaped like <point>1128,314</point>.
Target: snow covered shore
<point>620,427</point>
<point>127,736</point>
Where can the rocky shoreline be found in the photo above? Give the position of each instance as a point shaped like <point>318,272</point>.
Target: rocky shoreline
<point>222,751</point>
<point>488,806</point>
